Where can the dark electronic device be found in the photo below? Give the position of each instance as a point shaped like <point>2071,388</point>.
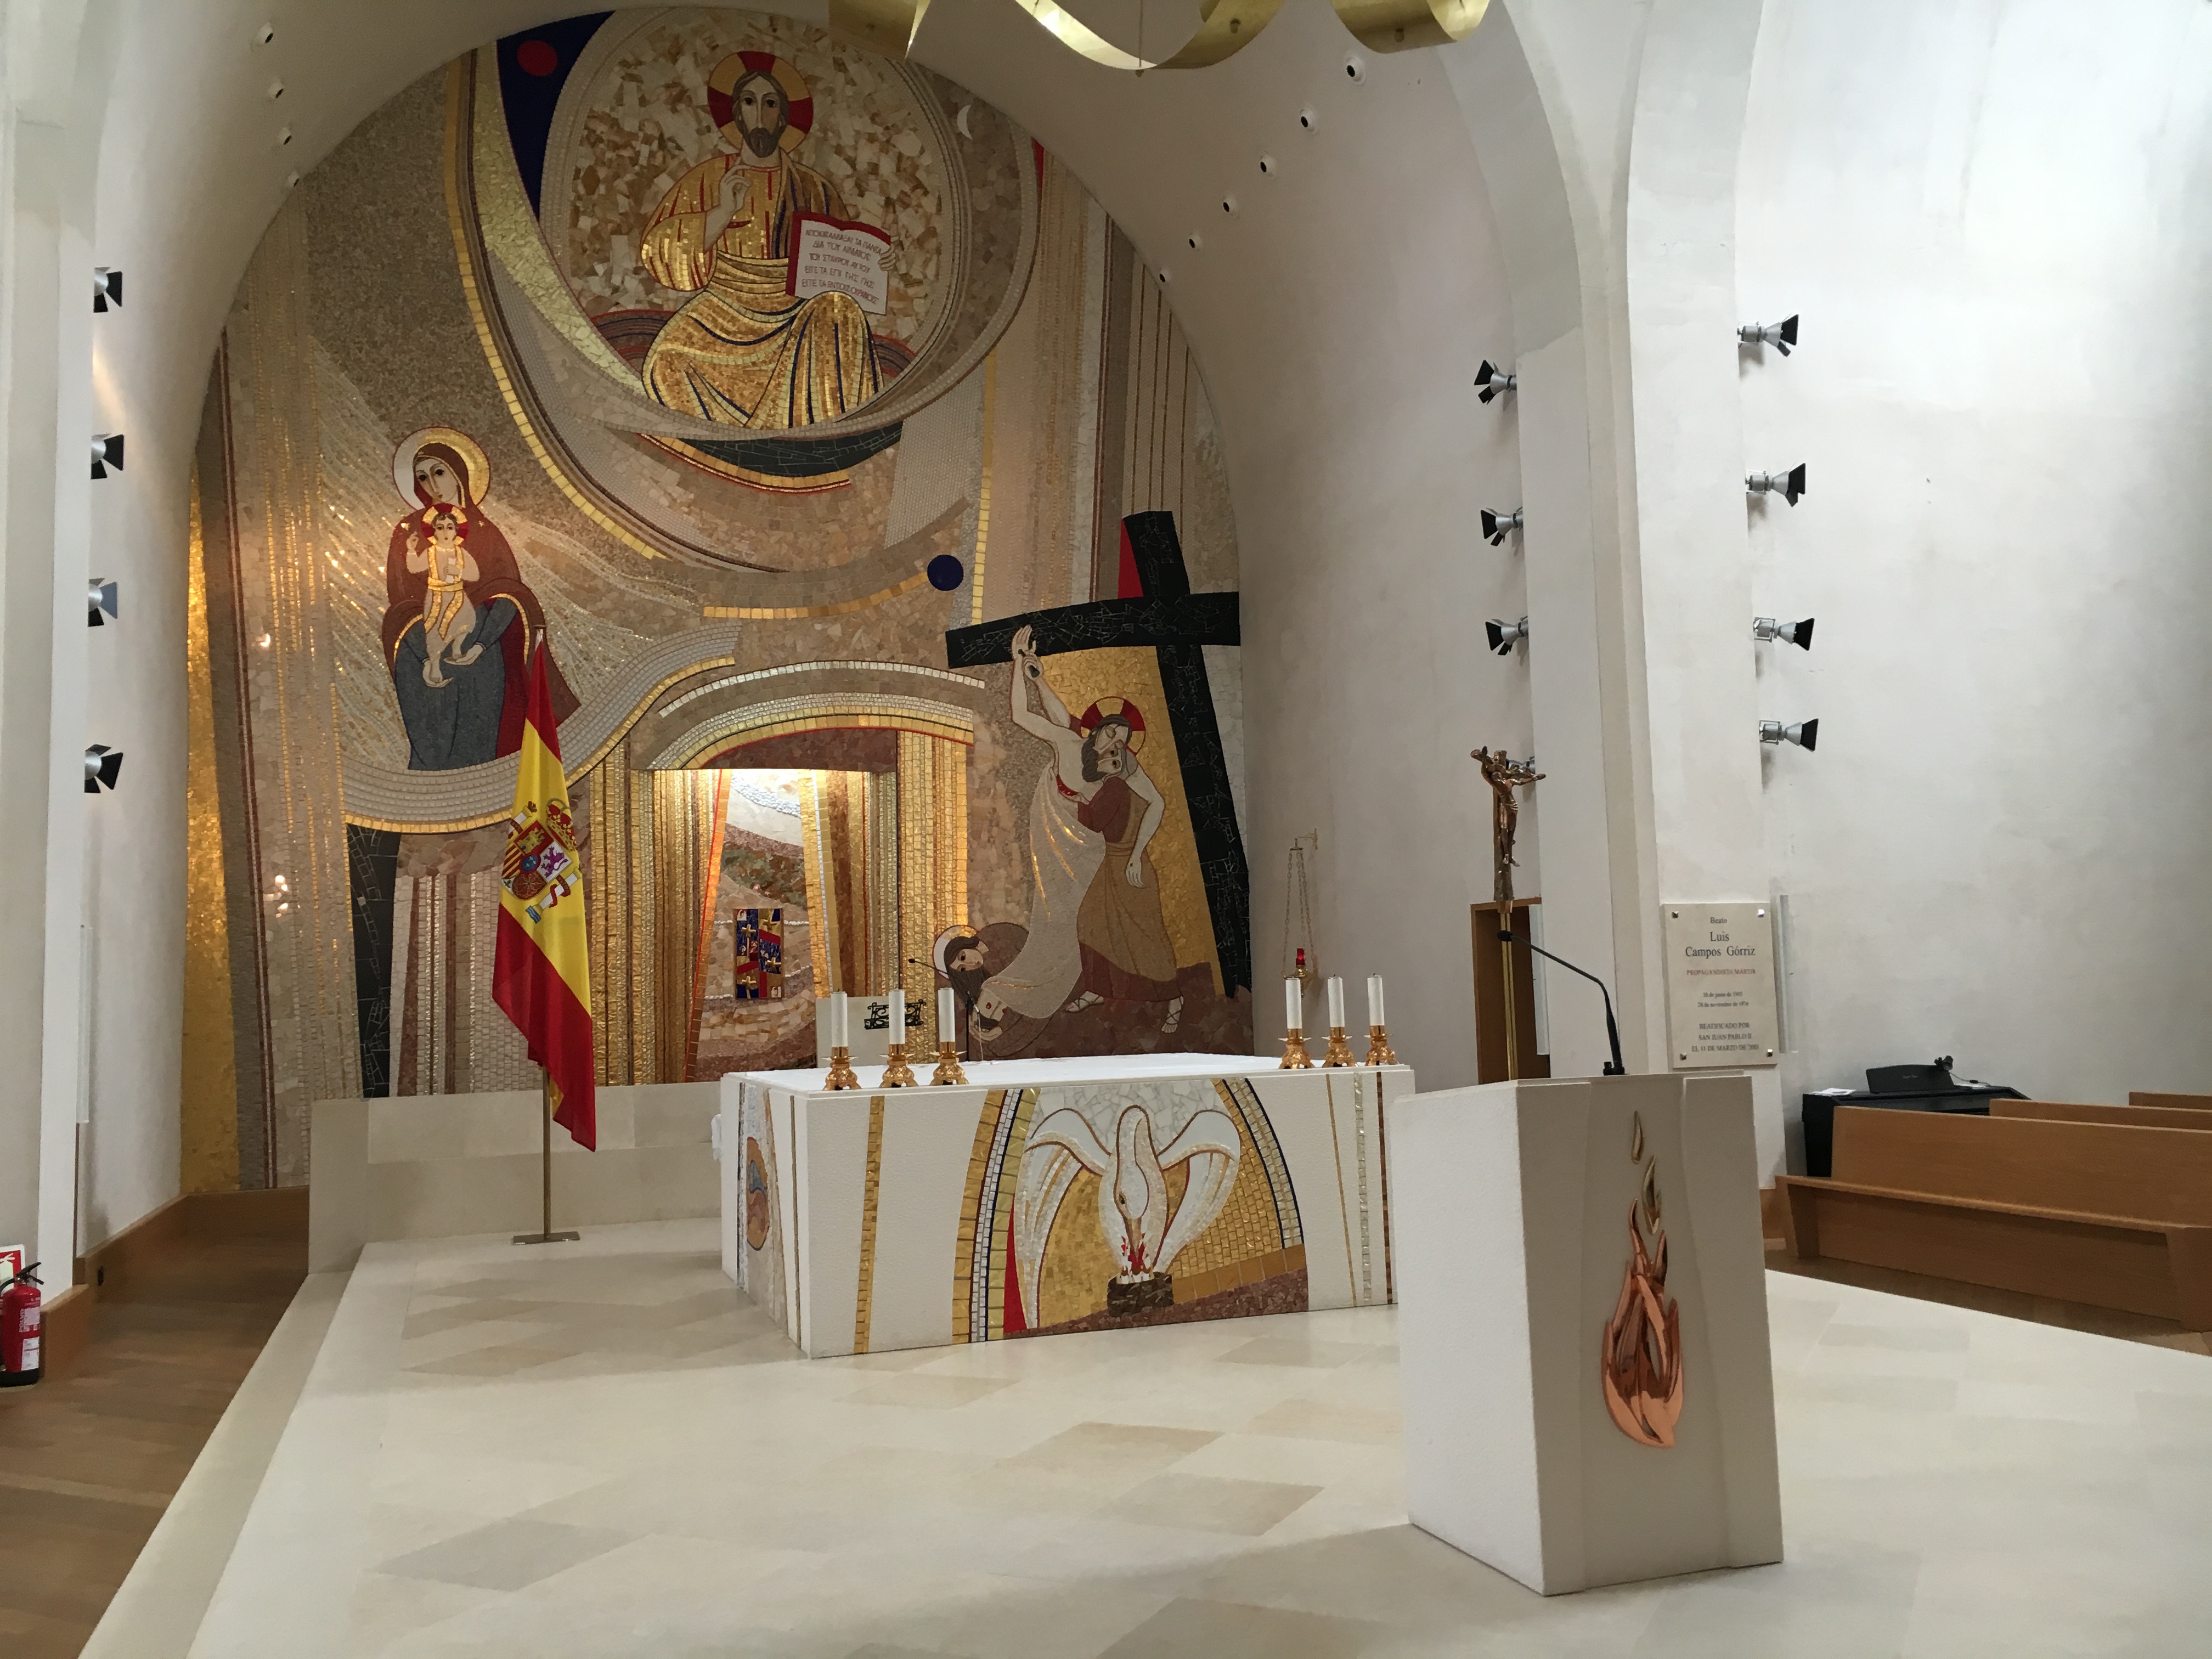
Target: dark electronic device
<point>1929,1088</point>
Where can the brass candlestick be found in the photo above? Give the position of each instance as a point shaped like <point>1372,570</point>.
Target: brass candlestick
<point>948,1066</point>
<point>1295,1057</point>
<point>842,1075</point>
<point>1338,1052</point>
<point>1378,1047</point>
<point>897,1074</point>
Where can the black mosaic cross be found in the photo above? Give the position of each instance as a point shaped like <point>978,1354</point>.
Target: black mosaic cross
<point>1176,622</point>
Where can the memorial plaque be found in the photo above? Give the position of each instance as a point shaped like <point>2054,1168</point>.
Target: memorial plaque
<point>1720,985</point>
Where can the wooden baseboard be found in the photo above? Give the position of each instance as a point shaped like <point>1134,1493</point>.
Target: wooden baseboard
<point>108,1266</point>
<point>66,1327</point>
<point>274,1213</point>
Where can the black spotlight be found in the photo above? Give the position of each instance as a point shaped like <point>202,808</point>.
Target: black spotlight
<point>1496,526</point>
<point>1805,734</point>
<point>107,454</point>
<point>1494,381</point>
<point>1799,634</point>
<point>1789,485</point>
<point>107,288</point>
<point>1504,635</point>
<point>102,766</point>
<point>100,603</point>
<point>1781,336</point>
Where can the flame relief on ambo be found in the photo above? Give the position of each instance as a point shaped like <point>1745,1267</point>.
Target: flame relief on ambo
<point>1641,1364</point>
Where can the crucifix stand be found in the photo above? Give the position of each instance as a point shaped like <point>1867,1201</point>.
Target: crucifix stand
<point>1505,775</point>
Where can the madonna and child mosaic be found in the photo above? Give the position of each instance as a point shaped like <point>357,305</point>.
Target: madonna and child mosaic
<point>836,450</point>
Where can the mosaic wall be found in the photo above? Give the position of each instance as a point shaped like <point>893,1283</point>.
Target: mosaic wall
<point>850,474</point>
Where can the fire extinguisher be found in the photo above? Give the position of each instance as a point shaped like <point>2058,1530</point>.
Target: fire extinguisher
<point>20,1363</point>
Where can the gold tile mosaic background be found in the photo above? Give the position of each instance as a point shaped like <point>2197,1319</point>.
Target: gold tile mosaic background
<point>469,261</point>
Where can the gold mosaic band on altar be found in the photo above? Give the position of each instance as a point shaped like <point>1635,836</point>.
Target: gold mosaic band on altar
<point>1225,27</point>
<point>1192,1287</point>
<point>864,1302</point>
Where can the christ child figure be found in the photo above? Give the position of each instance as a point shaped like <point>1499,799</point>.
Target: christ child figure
<point>448,616</point>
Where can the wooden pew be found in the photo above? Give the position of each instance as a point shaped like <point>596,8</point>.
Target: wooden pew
<point>2108,1214</point>
<point>2138,1117</point>
<point>2178,1102</point>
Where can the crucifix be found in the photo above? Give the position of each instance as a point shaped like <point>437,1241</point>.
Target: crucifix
<point>1160,612</point>
<point>1505,775</point>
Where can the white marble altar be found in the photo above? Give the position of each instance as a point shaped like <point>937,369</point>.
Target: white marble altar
<point>1053,1195</point>
<point>1589,1397</point>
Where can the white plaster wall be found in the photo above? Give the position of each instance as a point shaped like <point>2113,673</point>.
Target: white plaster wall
<point>1997,221</point>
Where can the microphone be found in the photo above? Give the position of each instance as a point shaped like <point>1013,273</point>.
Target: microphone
<point>1612,1068</point>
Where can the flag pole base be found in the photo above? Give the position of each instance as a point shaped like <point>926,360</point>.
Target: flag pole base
<point>547,1238</point>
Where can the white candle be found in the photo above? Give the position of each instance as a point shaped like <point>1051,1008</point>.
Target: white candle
<point>946,1022</point>
<point>839,1036</point>
<point>898,1015</point>
<point>1335,1003</point>
<point>1294,1016</point>
<point>1375,999</point>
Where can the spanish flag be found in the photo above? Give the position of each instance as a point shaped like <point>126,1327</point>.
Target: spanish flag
<point>541,971</point>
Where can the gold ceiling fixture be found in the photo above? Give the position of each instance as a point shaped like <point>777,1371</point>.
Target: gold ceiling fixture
<point>1226,27</point>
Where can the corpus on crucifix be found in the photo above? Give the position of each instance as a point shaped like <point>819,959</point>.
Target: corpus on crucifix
<point>1505,775</point>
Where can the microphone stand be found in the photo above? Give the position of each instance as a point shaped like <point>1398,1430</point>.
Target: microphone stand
<point>1612,1068</point>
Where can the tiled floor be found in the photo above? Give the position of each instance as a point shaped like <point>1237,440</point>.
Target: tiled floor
<point>598,1449</point>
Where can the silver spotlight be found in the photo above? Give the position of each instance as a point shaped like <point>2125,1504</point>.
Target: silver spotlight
<point>107,288</point>
<point>106,454</point>
<point>102,766</point>
<point>1494,382</point>
<point>1781,336</point>
<point>1504,635</point>
<point>1789,485</point>
<point>1805,734</point>
<point>1496,526</point>
<point>1799,634</point>
<point>101,601</point>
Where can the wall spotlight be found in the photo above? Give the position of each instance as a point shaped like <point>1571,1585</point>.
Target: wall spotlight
<point>107,288</point>
<point>1781,336</point>
<point>102,766</point>
<point>1496,526</point>
<point>1504,635</point>
<point>106,454</point>
<point>1494,381</point>
<point>1799,634</point>
<point>1805,734</point>
<point>100,601</point>
<point>1789,485</point>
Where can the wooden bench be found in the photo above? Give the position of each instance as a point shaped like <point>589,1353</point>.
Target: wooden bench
<point>2138,1117</point>
<point>2109,1214</point>
<point>2178,1102</point>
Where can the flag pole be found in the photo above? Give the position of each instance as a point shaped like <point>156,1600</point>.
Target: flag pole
<point>545,1235</point>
